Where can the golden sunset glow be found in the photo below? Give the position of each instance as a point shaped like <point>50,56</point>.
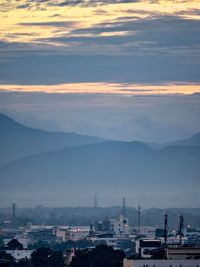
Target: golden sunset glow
<point>117,28</point>
<point>16,16</point>
<point>107,88</point>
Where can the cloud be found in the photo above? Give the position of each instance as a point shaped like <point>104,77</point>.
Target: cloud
<point>111,116</point>
<point>91,2</point>
<point>50,23</point>
<point>157,48</point>
<point>31,68</point>
<point>154,49</point>
<point>67,3</point>
<point>167,29</point>
<point>23,6</point>
<point>153,35</point>
<point>100,11</point>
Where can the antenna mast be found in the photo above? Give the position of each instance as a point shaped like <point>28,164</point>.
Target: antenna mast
<point>165,228</point>
<point>124,206</point>
<point>95,201</point>
<point>139,218</point>
<point>181,225</point>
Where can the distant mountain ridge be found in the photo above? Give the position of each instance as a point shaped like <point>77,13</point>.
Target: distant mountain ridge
<point>108,167</point>
<point>18,141</point>
<point>41,164</point>
<point>194,140</point>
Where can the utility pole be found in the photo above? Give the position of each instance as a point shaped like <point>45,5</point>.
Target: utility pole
<point>13,213</point>
<point>139,218</point>
<point>123,206</point>
<point>181,225</point>
<point>95,201</point>
<point>165,229</point>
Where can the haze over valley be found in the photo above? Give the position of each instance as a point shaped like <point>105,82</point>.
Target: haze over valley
<point>100,97</point>
<point>57,168</point>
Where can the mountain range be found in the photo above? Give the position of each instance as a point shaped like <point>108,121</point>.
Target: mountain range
<point>40,164</point>
<point>18,141</point>
<point>194,140</point>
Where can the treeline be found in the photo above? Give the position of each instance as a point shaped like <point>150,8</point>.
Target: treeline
<point>86,216</point>
<point>44,257</point>
<point>62,246</point>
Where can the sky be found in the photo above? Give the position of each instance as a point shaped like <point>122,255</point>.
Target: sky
<point>118,69</point>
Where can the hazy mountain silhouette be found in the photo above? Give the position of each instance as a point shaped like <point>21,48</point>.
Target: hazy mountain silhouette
<point>48,164</point>
<point>17,140</point>
<point>194,140</point>
<point>109,167</point>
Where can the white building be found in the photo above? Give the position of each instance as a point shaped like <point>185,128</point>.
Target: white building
<point>161,263</point>
<point>174,257</point>
<point>109,241</point>
<point>120,227</point>
<point>144,247</point>
<point>20,254</point>
<point>61,234</point>
<point>23,239</point>
<point>77,234</point>
<point>183,253</point>
<point>148,231</point>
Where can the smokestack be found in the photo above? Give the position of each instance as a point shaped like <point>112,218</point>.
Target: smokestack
<point>95,201</point>
<point>139,218</point>
<point>181,225</point>
<point>124,206</point>
<point>13,213</point>
<point>165,228</point>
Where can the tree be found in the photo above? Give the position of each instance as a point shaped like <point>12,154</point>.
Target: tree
<point>1,243</point>
<point>24,263</point>
<point>39,244</point>
<point>81,259</point>
<point>83,243</point>
<point>6,260</point>
<point>45,257</point>
<point>101,256</point>
<point>56,259</point>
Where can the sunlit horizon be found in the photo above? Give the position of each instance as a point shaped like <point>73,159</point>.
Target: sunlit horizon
<point>107,88</point>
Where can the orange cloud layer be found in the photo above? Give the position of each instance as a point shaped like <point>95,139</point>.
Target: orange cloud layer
<point>107,88</point>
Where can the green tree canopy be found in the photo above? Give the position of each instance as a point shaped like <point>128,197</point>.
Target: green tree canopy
<point>6,260</point>
<point>101,256</point>
<point>45,257</point>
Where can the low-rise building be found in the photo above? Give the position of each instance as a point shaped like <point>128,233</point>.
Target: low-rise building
<point>77,234</point>
<point>62,235</point>
<point>145,247</point>
<point>174,256</point>
<point>16,250</point>
<point>183,253</point>
<point>120,227</point>
<point>20,254</point>
<point>160,263</point>
<point>45,235</point>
